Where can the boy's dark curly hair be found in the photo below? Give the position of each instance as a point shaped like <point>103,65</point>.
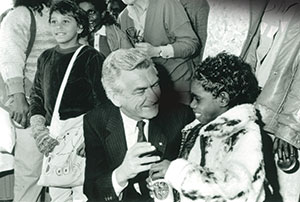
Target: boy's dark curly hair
<point>228,73</point>
<point>69,7</point>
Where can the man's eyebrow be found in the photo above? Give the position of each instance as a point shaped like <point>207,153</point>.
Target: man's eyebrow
<point>139,88</point>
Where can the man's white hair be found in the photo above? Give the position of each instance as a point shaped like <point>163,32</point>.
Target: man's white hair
<point>122,60</point>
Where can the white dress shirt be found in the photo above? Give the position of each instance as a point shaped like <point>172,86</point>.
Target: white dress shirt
<point>131,135</point>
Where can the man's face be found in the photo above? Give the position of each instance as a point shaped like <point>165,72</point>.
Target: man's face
<point>141,91</point>
<point>205,106</point>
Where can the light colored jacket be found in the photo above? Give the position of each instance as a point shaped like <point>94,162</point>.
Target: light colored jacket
<point>17,73</point>
<point>231,167</point>
<point>279,102</point>
<point>257,8</point>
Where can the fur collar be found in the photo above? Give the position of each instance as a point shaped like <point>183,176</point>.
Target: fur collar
<point>228,123</point>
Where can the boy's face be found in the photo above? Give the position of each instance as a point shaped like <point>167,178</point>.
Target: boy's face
<point>205,106</point>
<point>65,29</point>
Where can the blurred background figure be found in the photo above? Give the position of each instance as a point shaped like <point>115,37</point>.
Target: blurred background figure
<point>275,59</point>
<point>18,67</point>
<point>162,29</point>
<point>93,9</point>
<point>115,7</point>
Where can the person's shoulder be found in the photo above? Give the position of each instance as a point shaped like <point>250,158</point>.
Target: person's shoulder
<point>100,112</point>
<point>47,52</point>
<point>19,12</point>
<point>123,13</point>
<point>18,15</point>
<point>90,51</point>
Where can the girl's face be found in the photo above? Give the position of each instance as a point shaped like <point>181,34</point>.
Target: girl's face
<point>93,14</point>
<point>65,29</point>
<point>205,106</point>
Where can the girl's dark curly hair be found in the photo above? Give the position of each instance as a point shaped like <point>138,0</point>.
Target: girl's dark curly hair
<point>228,73</point>
<point>36,5</point>
<point>69,7</point>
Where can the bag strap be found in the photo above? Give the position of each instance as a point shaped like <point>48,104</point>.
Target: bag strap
<point>55,115</point>
<point>32,33</point>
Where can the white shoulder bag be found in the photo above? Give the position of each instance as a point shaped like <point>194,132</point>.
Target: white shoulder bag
<point>63,167</point>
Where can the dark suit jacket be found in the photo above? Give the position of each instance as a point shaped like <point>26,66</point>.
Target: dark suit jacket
<point>106,147</point>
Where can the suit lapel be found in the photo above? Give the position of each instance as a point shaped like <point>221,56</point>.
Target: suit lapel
<point>116,140</point>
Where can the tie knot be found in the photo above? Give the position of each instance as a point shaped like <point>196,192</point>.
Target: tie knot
<point>140,125</point>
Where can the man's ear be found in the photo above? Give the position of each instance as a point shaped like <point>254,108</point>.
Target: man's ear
<point>224,99</point>
<point>114,98</point>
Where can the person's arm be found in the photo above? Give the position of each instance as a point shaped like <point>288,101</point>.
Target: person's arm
<point>179,28</point>
<point>94,69</point>
<point>14,38</point>
<point>288,136</point>
<point>36,95</point>
<point>234,179</point>
<point>40,132</point>
<point>184,42</point>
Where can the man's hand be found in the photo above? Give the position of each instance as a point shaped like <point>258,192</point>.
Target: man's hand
<point>284,150</point>
<point>148,49</point>
<point>133,164</point>
<point>20,109</point>
<point>158,170</point>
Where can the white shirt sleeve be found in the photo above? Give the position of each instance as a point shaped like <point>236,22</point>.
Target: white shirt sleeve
<point>166,51</point>
<point>117,187</point>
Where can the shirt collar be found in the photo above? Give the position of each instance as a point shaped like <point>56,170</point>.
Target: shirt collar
<point>131,124</point>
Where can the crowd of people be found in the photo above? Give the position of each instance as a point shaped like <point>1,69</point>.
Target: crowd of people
<point>106,97</point>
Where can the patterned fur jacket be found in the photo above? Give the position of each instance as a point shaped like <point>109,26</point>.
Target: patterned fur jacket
<point>225,163</point>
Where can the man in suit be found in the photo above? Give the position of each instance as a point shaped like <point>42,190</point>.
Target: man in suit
<point>117,162</point>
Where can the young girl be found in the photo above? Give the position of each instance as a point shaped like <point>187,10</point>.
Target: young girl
<point>83,91</point>
<point>221,156</point>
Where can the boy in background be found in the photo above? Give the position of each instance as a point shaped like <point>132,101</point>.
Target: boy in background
<point>83,91</point>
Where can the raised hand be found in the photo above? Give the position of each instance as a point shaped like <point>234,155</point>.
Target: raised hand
<point>134,164</point>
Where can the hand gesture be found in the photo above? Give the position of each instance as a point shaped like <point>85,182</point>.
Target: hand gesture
<point>133,163</point>
<point>20,109</point>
